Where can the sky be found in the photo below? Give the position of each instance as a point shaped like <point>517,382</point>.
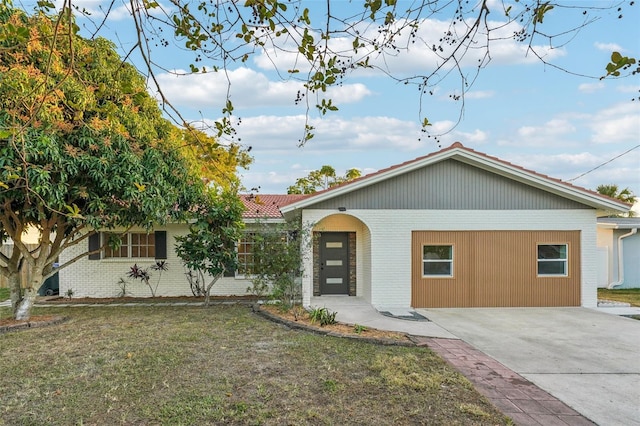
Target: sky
<point>569,127</point>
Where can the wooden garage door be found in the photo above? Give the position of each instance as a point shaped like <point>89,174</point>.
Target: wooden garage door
<point>495,268</point>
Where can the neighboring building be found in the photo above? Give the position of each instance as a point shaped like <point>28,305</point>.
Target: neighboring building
<point>619,249</point>
<point>456,228</point>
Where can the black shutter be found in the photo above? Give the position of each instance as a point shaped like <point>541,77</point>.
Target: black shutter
<point>94,244</point>
<point>161,244</point>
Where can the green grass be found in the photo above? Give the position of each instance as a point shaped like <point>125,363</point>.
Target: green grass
<point>628,295</point>
<point>4,294</point>
<point>220,365</point>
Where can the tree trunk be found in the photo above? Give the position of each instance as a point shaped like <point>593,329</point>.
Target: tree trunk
<point>15,287</point>
<point>22,311</point>
<point>208,289</point>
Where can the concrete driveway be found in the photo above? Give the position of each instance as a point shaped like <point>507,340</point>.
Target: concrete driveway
<point>588,359</point>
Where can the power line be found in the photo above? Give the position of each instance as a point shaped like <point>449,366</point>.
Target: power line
<point>605,163</point>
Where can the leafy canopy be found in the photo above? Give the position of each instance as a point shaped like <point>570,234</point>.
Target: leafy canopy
<point>625,195</point>
<point>210,246</point>
<point>323,178</point>
<point>83,147</point>
<point>320,44</point>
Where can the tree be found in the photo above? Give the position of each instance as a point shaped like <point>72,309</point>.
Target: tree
<point>323,43</point>
<point>318,180</point>
<point>625,195</point>
<point>280,273</point>
<point>83,147</point>
<point>209,249</point>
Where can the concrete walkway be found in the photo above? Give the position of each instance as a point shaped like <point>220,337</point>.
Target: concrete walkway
<point>540,366</point>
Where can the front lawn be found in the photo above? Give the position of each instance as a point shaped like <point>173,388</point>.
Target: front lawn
<point>4,294</point>
<point>220,365</point>
<point>628,295</point>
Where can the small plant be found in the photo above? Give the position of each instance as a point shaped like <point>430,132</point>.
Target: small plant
<point>259,287</point>
<point>122,284</point>
<point>298,312</point>
<point>322,316</point>
<point>143,275</point>
<point>359,329</point>
<point>69,293</point>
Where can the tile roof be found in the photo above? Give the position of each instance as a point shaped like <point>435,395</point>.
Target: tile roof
<point>267,206</point>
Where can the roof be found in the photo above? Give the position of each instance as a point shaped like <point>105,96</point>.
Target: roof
<point>619,222</point>
<point>267,206</point>
<point>478,159</point>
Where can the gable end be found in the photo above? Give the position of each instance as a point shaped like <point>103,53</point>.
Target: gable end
<point>449,185</point>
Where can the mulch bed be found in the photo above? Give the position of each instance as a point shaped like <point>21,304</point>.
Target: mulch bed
<point>119,300</point>
<point>372,335</point>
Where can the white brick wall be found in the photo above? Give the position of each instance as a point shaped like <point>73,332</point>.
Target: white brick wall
<point>99,278</point>
<point>390,247</point>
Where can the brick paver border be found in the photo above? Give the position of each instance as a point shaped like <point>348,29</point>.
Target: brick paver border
<point>525,403</point>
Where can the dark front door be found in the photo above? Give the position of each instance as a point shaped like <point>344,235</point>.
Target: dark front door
<point>334,263</point>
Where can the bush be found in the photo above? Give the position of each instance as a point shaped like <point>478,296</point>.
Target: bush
<point>322,316</point>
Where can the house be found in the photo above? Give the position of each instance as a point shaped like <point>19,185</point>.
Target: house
<point>618,242</point>
<point>101,275</point>
<point>456,228</point>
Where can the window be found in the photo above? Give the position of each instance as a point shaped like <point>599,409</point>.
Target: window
<point>245,254</point>
<point>552,260</point>
<point>437,261</point>
<point>134,244</point>
<point>273,242</point>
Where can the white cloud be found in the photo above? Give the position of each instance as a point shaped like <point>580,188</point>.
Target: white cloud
<point>96,10</point>
<point>608,47</point>
<point>591,87</point>
<point>477,137</point>
<point>628,89</point>
<point>248,89</point>
<point>416,56</point>
<point>568,166</point>
<point>544,134</point>
<point>619,123</point>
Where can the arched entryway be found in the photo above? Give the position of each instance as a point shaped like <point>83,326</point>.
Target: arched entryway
<point>341,257</point>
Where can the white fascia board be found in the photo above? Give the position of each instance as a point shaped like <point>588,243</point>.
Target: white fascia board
<point>607,225</point>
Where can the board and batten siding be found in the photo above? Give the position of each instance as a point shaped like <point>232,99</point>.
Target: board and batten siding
<point>495,269</point>
<point>449,185</point>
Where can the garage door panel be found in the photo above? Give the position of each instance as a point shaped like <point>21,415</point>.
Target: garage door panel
<point>496,268</point>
